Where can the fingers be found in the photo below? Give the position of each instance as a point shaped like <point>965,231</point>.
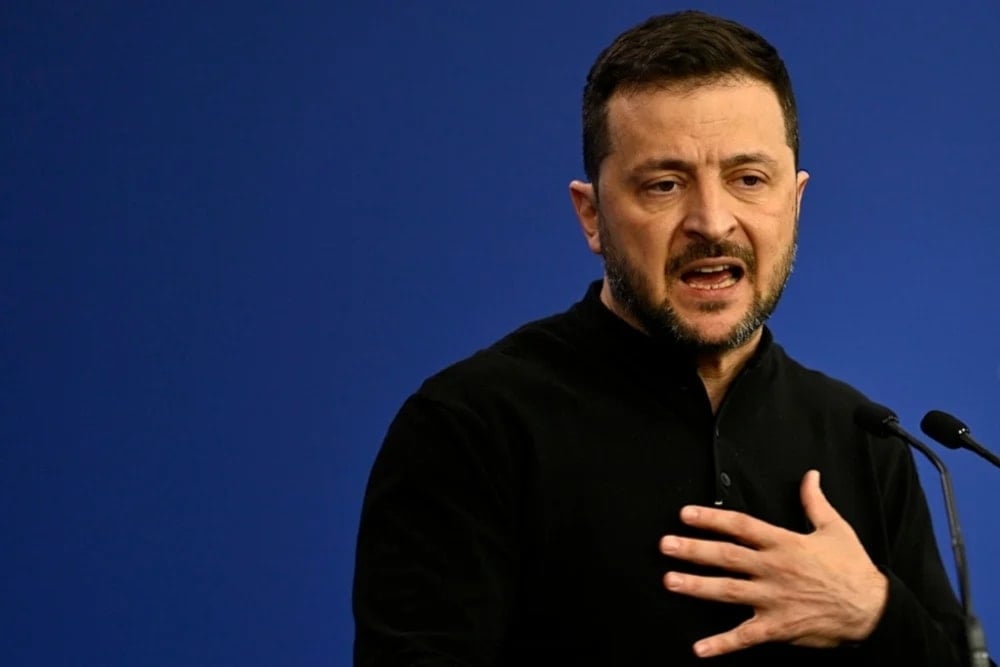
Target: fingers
<point>749,633</point>
<point>760,534</point>
<point>720,589</point>
<point>794,582</point>
<point>818,509</point>
<point>746,529</point>
<point>725,555</point>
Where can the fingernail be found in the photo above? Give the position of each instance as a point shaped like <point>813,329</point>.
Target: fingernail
<point>669,544</point>
<point>689,513</point>
<point>701,649</point>
<point>674,580</point>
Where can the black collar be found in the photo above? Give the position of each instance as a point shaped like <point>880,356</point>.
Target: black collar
<point>612,336</point>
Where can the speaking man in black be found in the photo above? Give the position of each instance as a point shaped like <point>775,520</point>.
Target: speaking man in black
<point>647,478</point>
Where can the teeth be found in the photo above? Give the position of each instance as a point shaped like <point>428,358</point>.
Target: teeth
<point>712,269</point>
<point>729,282</point>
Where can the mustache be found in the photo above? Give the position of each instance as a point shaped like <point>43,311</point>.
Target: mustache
<point>697,251</point>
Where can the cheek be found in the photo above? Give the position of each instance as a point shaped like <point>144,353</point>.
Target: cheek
<point>645,243</point>
<point>772,230</point>
<point>650,250</point>
<point>772,249</point>
<point>646,238</point>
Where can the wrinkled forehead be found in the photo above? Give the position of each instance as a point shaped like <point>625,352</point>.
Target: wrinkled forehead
<point>725,112</point>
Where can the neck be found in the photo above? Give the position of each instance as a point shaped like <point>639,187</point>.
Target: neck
<point>716,369</point>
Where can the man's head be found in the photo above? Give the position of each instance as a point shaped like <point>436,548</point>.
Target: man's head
<point>690,144</point>
<point>683,48</point>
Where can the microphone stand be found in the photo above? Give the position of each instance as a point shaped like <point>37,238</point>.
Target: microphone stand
<point>976,638</point>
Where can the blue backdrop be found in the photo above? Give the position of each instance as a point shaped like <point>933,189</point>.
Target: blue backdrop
<point>235,235</point>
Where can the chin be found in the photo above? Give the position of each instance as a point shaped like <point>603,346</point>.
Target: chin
<point>717,332</point>
<point>713,337</point>
<point>713,326</point>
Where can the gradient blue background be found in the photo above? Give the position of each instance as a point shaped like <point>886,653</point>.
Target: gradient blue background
<point>235,235</point>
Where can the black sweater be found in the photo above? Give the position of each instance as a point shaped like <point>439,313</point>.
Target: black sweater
<point>514,511</point>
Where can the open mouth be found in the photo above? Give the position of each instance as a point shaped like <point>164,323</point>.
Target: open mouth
<point>719,276</point>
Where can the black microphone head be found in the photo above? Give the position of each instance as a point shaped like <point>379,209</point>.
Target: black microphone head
<point>944,428</point>
<point>876,419</point>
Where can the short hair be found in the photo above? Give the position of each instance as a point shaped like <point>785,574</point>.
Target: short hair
<point>682,47</point>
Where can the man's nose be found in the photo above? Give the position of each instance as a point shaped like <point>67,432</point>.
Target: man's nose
<point>707,213</point>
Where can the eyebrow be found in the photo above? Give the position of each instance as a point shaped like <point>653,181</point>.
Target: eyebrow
<point>674,164</point>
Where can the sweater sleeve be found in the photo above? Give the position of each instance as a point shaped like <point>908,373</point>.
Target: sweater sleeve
<point>922,624</point>
<point>436,560</point>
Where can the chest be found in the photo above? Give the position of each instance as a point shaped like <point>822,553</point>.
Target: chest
<point>606,473</point>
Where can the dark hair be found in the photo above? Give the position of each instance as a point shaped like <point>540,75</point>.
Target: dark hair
<point>683,47</point>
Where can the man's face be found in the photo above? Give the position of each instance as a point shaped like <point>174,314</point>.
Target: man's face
<point>696,211</point>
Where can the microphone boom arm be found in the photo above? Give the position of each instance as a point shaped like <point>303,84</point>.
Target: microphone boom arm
<point>974,634</point>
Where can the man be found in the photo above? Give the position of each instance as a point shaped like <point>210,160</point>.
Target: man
<point>637,480</point>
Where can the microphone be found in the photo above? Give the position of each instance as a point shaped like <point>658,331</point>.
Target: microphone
<point>951,432</point>
<point>883,422</point>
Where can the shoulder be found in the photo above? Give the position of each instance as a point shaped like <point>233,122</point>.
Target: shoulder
<point>814,386</point>
<point>532,358</point>
<point>832,403</point>
<point>475,409</point>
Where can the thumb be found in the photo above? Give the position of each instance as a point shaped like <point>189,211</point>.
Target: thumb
<point>818,509</point>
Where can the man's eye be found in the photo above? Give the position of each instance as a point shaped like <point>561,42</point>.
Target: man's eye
<point>750,181</point>
<point>664,186</point>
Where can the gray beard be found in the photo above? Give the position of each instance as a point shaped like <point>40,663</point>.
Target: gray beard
<point>631,290</point>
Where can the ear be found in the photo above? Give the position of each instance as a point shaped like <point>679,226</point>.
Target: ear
<point>585,204</point>
<point>801,179</point>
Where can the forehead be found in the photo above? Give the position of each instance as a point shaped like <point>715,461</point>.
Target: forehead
<point>697,119</point>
